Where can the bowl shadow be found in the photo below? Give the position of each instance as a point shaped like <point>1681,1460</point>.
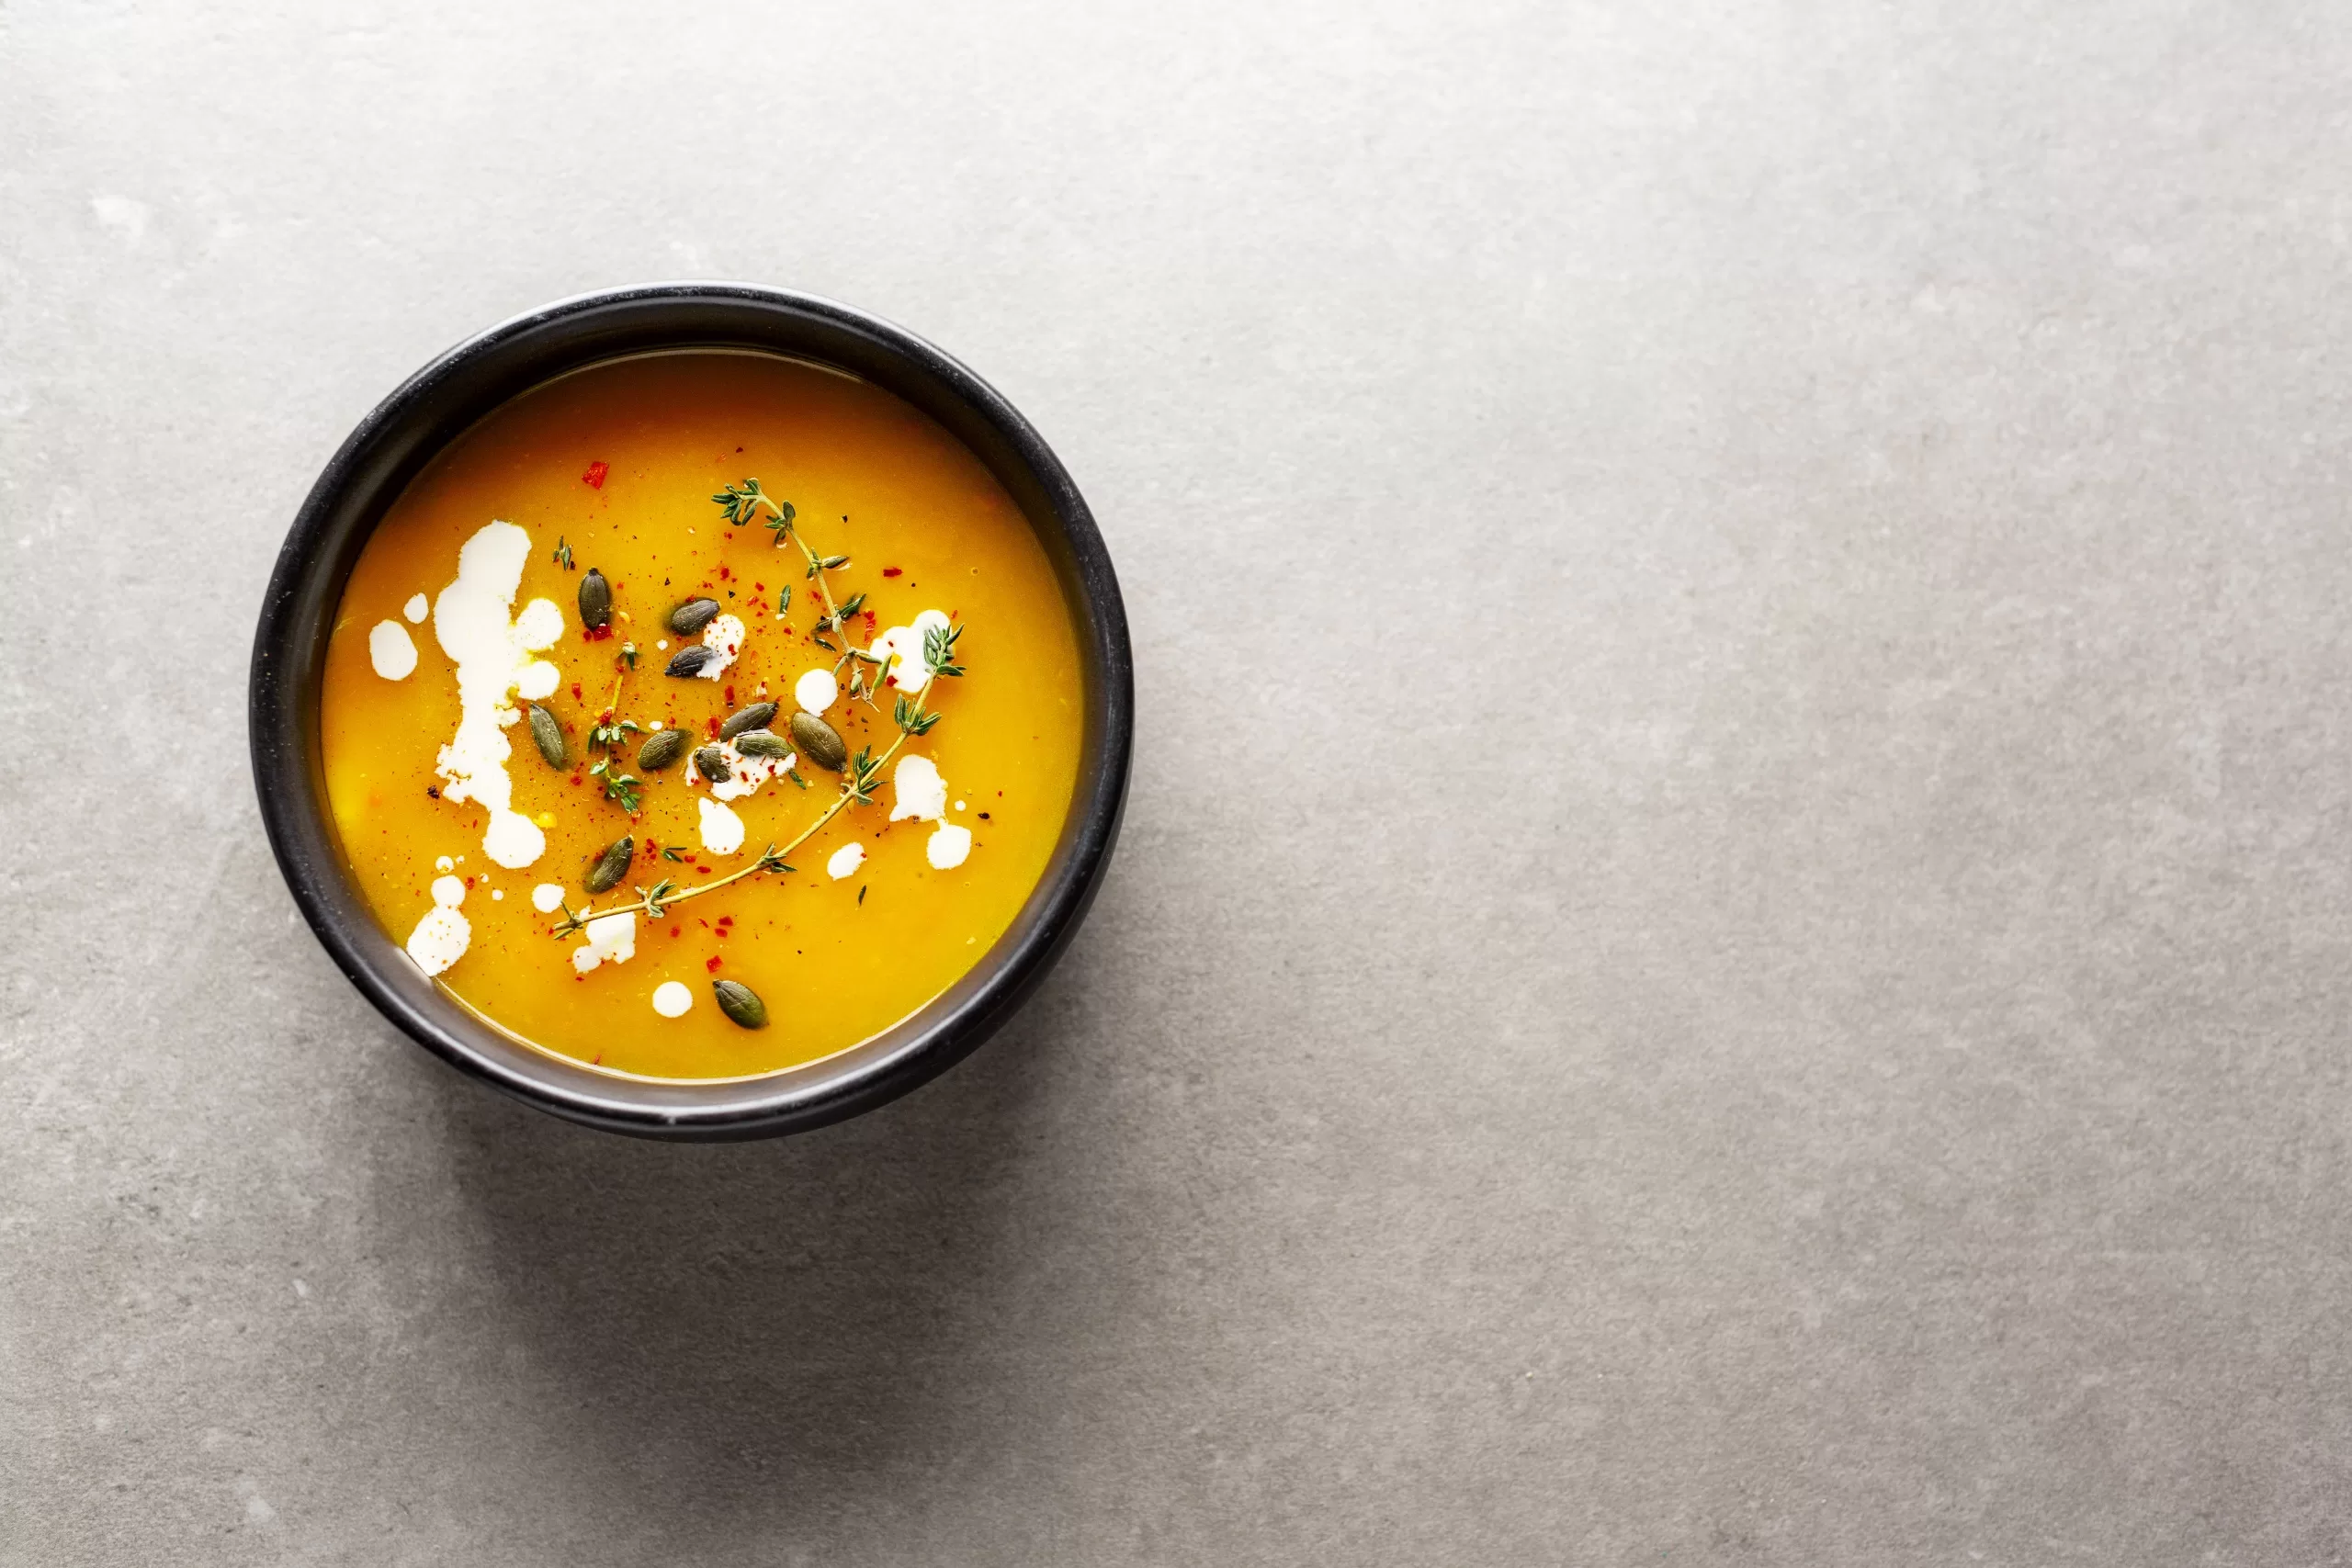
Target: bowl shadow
<point>799,1322</point>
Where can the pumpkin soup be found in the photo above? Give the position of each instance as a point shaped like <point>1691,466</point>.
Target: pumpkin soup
<point>700,714</point>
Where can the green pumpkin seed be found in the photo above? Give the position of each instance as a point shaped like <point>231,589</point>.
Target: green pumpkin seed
<point>661,748</point>
<point>756,717</point>
<point>596,600</point>
<point>610,865</point>
<point>740,1003</point>
<point>689,618</point>
<point>711,763</point>
<point>819,742</point>
<point>689,661</point>
<point>763,743</point>
<point>547,735</point>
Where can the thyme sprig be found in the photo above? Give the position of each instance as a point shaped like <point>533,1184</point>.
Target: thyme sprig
<point>860,780</point>
<point>739,504</point>
<point>653,900</point>
<point>939,649</point>
<point>609,734</point>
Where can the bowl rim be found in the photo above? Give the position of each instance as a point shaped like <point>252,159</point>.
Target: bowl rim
<point>436,405</point>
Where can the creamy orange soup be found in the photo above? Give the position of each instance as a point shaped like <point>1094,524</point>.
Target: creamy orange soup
<point>465,609</point>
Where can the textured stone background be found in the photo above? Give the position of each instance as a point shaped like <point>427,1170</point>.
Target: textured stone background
<point>1731,945</point>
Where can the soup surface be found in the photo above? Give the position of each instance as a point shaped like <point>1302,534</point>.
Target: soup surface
<point>465,611</point>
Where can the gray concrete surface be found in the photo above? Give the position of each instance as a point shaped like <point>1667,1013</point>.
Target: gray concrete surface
<point>1732,942</point>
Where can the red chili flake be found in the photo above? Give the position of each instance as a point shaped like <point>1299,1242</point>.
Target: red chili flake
<point>674,930</point>
<point>702,871</point>
<point>711,963</point>
<point>724,574</point>
<point>869,620</point>
<point>890,572</point>
<point>594,476</point>
<point>726,919</point>
<point>730,696</point>
<point>576,691</point>
<point>713,724</point>
<point>575,778</point>
<point>469,882</point>
<point>597,634</point>
<point>759,588</point>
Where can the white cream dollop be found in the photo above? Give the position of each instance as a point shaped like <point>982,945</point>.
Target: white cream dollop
<point>845,861</point>
<point>440,939</point>
<point>947,846</point>
<point>671,999</point>
<point>546,896</point>
<point>610,936</point>
<point>725,634</point>
<point>541,622</point>
<point>513,839</point>
<point>493,652</point>
<point>923,794</point>
<point>815,691</point>
<point>722,831</point>
<point>416,609</point>
<point>390,650</point>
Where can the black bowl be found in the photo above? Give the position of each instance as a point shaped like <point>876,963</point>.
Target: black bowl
<point>440,401</point>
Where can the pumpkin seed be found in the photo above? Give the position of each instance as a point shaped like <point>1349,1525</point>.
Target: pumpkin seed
<point>606,871</point>
<point>596,600</point>
<point>711,763</point>
<point>690,661</point>
<point>756,717</point>
<point>661,748</point>
<point>740,1003</point>
<point>547,735</point>
<point>689,618</point>
<point>819,742</point>
<point>763,743</point>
